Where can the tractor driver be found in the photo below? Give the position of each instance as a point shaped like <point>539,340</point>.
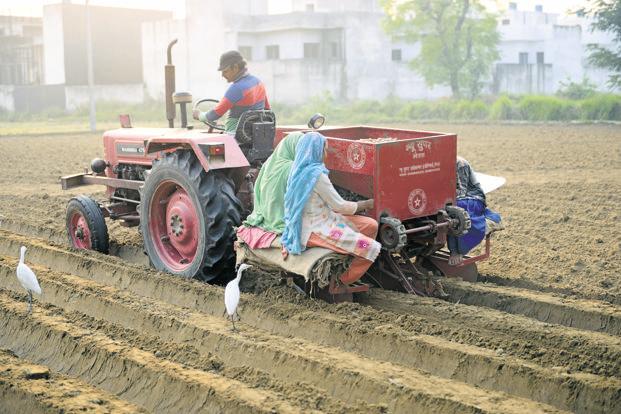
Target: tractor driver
<point>246,92</point>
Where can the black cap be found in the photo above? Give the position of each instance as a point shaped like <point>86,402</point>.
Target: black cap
<point>230,58</point>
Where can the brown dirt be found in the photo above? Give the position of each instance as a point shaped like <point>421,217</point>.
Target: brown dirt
<point>543,334</point>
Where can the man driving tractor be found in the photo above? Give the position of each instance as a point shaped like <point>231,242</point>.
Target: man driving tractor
<point>246,93</point>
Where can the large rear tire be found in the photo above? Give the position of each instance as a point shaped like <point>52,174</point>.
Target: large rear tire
<point>86,226</point>
<point>188,217</point>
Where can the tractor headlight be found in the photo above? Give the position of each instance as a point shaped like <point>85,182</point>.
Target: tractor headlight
<point>316,121</point>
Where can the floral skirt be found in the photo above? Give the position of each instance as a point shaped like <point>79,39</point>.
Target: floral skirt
<point>346,238</point>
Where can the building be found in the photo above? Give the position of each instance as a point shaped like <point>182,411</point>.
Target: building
<point>116,35</point>
<point>44,60</point>
<point>318,47</point>
<point>340,48</point>
<point>540,50</point>
<point>21,56</point>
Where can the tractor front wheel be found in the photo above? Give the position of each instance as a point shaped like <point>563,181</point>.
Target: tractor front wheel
<point>86,226</point>
<point>188,217</point>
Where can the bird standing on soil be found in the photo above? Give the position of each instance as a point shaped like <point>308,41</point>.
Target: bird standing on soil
<point>27,278</point>
<point>231,295</point>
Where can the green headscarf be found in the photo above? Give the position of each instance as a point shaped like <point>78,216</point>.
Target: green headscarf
<point>271,185</point>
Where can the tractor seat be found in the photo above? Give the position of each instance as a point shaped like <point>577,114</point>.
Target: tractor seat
<point>255,134</point>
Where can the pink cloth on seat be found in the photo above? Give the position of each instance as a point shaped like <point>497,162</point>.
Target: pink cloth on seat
<point>256,237</point>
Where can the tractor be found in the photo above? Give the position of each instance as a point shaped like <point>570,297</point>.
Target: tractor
<point>187,189</point>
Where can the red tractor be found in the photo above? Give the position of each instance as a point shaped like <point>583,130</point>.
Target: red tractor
<point>187,189</point>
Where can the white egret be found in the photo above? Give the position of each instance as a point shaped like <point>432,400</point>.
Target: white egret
<point>27,278</point>
<point>231,294</point>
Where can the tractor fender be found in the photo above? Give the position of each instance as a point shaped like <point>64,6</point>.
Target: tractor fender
<point>213,151</point>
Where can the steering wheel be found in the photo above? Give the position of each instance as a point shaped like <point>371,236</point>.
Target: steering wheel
<point>210,124</point>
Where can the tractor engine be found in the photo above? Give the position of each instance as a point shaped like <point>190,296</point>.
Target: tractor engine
<point>130,172</point>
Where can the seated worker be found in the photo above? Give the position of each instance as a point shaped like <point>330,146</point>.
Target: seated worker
<point>317,216</point>
<point>470,197</point>
<point>267,219</point>
<point>246,93</point>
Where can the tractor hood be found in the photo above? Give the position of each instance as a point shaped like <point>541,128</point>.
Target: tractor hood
<point>143,145</point>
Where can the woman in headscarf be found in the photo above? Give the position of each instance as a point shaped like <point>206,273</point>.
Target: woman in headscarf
<point>267,218</point>
<point>317,216</point>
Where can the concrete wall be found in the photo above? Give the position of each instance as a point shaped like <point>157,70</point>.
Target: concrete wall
<point>54,45</point>
<point>206,41</point>
<point>563,42</point>
<point>7,102</point>
<point>155,39</point>
<point>77,95</point>
<point>518,79</point>
<point>36,98</point>
<point>336,6</point>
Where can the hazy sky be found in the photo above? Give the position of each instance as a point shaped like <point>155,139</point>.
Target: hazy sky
<point>34,7</point>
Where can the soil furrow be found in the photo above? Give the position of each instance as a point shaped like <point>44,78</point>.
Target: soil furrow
<point>574,313</point>
<point>140,377</point>
<point>349,327</point>
<point>205,341</point>
<point>33,389</point>
<point>128,252</point>
<point>49,322</point>
<point>543,343</point>
<point>133,253</point>
<point>344,375</point>
<point>538,287</point>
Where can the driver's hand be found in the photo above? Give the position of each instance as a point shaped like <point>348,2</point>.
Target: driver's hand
<point>196,113</point>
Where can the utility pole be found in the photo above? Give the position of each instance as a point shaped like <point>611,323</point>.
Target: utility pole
<point>89,59</point>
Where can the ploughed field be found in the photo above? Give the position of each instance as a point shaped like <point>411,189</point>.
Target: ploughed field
<point>541,332</point>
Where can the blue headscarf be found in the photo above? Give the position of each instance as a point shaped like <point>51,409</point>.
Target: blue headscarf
<point>307,167</point>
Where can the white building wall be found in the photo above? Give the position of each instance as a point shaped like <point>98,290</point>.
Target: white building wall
<point>53,39</point>
<point>337,6</point>
<point>7,101</point>
<point>155,39</point>
<point>563,42</point>
<point>77,96</point>
<point>206,41</point>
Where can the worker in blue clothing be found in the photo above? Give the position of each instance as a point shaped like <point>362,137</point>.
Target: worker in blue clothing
<point>470,197</point>
<point>246,92</point>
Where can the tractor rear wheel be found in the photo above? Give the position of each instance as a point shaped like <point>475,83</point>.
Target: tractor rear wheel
<point>188,217</point>
<point>86,226</point>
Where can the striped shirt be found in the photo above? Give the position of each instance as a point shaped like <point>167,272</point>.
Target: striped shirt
<point>246,93</point>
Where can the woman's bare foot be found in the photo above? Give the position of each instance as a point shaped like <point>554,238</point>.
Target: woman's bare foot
<point>455,259</point>
<point>285,253</point>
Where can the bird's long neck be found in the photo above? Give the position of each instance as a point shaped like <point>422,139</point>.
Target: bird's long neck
<point>21,257</point>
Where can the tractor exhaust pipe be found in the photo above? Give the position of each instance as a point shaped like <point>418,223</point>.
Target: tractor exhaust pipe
<point>169,79</point>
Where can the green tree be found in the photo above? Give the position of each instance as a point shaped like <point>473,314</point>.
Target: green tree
<point>607,15</point>
<point>458,40</point>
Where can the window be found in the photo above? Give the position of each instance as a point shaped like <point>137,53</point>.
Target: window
<point>272,52</point>
<point>539,8</point>
<point>523,58</point>
<point>310,7</point>
<point>311,50</point>
<point>512,6</point>
<point>506,22</point>
<point>540,58</point>
<point>335,50</point>
<point>396,55</point>
<point>246,52</point>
